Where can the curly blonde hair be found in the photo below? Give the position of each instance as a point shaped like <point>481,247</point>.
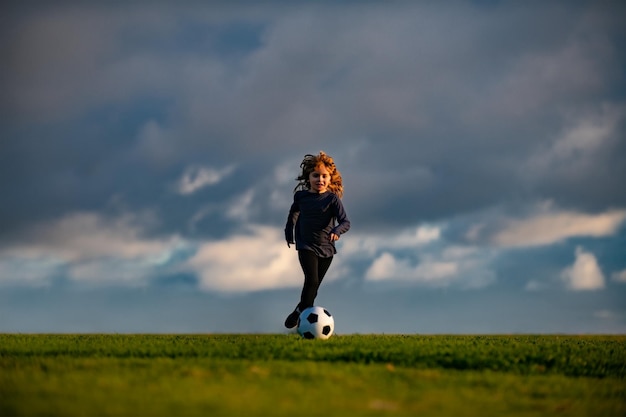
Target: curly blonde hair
<point>308,165</point>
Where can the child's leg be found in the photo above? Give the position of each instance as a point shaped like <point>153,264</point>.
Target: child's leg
<point>322,266</point>
<point>314,269</point>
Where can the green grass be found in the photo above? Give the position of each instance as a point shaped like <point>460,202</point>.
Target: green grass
<point>276,375</point>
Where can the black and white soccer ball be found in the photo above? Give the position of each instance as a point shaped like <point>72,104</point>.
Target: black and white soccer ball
<point>316,323</point>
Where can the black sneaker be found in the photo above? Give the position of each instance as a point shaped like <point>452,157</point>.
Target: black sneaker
<point>292,319</point>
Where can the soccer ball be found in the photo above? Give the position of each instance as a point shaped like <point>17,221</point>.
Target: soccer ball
<point>316,323</point>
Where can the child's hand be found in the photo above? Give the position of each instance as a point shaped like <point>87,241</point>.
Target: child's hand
<point>333,237</point>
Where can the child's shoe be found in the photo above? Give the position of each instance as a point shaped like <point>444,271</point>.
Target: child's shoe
<point>292,319</point>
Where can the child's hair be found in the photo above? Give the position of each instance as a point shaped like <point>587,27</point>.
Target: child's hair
<point>308,165</point>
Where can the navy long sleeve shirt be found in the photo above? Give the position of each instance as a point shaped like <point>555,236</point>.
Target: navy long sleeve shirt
<point>314,217</point>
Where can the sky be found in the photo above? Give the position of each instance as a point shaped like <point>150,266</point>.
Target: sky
<point>149,150</point>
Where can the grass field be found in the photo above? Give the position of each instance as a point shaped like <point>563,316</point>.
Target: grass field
<point>284,375</point>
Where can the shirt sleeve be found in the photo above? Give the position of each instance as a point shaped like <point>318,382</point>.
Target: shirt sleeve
<point>343,223</point>
<point>294,212</point>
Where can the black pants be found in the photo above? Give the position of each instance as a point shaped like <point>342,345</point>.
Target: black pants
<point>314,268</point>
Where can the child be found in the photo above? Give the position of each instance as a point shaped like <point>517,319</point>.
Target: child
<point>319,219</point>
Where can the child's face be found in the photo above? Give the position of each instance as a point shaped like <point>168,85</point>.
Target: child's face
<point>319,179</point>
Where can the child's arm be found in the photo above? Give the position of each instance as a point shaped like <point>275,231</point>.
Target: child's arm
<point>294,212</point>
<point>343,223</point>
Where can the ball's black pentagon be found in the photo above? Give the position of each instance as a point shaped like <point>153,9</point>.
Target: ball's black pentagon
<point>327,313</point>
<point>308,335</point>
<point>312,318</point>
<point>326,330</point>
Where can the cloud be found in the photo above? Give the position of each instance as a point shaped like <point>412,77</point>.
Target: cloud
<point>462,266</point>
<point>605,315</point>
<point>29,269</point>
<point>588,139</point>
<point>68,59</point>
<point>407,238</point>
<point>534,285</point>
<point>307,77</point>
<point>88,247</point>
<point>586,136</point>
<point>256,260</point>
<point>157,143</point>
<point>84,235</point>
<point>619,276</point>
<point>552,227</point>
<point>242,207</point>
<point>388,267</point>
<point>418,256</point>
<point>539,77</point>
<point>197,177</point>
<point>584,274</point>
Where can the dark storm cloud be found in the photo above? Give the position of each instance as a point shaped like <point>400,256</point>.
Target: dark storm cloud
<point>112,102</point>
